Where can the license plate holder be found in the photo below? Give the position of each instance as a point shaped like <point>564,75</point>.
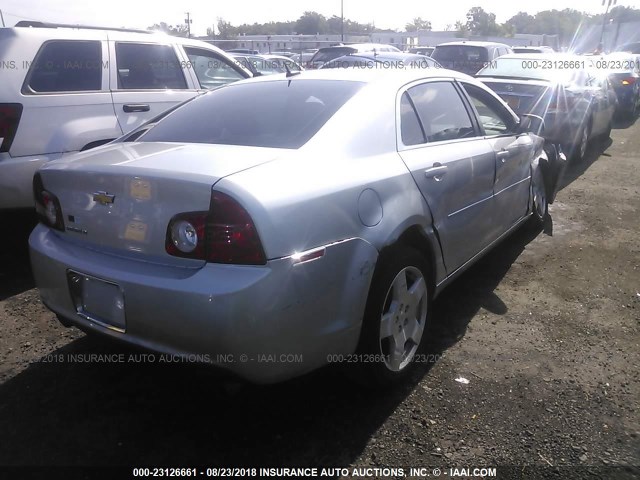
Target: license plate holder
<point>97,300</point>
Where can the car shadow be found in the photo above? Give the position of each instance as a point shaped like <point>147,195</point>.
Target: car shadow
<point>475,289</point>
<point>15,268</point>
<point>622,122</point>
<point>575,169</point>
<point>69,408</point>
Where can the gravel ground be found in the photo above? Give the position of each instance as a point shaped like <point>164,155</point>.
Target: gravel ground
<point>544,329</point>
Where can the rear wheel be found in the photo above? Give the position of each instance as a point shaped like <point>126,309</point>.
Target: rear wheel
<point>607,132</point>
<point>634,110</point>
<point>395,317</point>
<point>582,144</point>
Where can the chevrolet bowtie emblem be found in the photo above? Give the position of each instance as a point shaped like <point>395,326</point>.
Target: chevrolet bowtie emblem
<point>103,198</point>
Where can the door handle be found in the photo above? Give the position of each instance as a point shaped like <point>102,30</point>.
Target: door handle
<point>436,171</point>
<point>136,107</point>
<point>503,155</point>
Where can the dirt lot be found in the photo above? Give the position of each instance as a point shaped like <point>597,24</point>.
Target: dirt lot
<point>545,329</point>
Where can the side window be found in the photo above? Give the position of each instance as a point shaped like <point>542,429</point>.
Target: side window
<point>212,70</point>
<point>493,117</point>
<point>410,128</point>
<point>67,66</point>
<point>441,111</point>
<point>144,66</point>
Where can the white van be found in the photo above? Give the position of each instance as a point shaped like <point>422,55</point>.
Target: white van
<point>67,88</point>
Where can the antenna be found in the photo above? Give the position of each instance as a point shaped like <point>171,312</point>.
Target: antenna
<point>289,72</point>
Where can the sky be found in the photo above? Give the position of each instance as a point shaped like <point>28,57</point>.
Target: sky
<point>204,13</point>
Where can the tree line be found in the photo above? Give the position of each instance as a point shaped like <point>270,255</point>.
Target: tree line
<point>563,23</point>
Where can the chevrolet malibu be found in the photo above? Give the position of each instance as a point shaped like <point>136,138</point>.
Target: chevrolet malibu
<point>302,218</point>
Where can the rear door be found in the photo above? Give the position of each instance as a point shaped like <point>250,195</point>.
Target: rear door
<point>148,79</point>
<point>65,97</point>
<point>452,165</point>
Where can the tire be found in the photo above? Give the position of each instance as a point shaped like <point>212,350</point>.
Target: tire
<point>581,146</point>
<point>634,111</point>
<point>540,205</point>
<point>607,133</point>
<point>395,318</point>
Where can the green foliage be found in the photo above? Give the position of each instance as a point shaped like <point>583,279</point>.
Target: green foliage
<point>177,30</point>
<point>226,31</point>
<point>418,24</point>
<point>521,22</point>
<point>619,14</point>
<point>461,29</point>
<point>311,23</point>
<point>480,22</point>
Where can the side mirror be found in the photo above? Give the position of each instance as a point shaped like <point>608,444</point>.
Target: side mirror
<point>530,123</point>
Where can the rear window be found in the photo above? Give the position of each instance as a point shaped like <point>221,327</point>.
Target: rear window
<point>147,66</point>
<point>278,114</point>
<point>67,66</point>
<point>460,54</point>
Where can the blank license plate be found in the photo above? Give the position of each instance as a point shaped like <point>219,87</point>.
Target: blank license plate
<point>97,300</point>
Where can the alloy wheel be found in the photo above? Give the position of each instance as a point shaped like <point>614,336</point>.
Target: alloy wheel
<point>403,318</point>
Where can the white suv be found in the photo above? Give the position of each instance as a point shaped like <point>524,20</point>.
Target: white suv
<point>67,88</point>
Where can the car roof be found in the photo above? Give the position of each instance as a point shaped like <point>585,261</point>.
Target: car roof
<point>72,32</point>
<point>473,44</point>
<point>386,55</point>
<point>392,77</point>
<point>272,56</point>
<point>541,56</point>
<point>359,46</point>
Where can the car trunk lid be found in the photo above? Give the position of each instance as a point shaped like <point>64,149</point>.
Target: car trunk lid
<point>522,97</point>
<point>120,198</point>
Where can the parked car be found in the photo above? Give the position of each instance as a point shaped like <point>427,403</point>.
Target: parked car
<point>245,51</point>
<point>422,50</point>
<point>267,64</point>
<point>72,88</point>
<point>623,72</point>
<point>468,57</point>
<point>269,227</point>
<point>576,103</point>
<point>633,47</point>
<point>539,49</point>
<point>303,58</point>
<point>284,53</point>
<point>326,54</point>
<point>374,60</point>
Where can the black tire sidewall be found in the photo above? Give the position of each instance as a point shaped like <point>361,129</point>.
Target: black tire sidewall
<point>390,263</point>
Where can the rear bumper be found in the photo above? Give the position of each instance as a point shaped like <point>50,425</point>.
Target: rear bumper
<point>265,324</point>
<point>16,179</point>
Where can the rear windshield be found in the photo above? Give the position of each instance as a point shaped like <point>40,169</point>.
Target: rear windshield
<point>278,114</point>
<point>460,54</point>
<point>328,54</point>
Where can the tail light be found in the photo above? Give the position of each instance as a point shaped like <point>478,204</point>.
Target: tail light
<point>628,81</point>
<point>224,234</point>
<point>10,114</point>
<point>48,206</point>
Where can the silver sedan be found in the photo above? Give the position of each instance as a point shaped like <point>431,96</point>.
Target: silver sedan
<point>278,224</point>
